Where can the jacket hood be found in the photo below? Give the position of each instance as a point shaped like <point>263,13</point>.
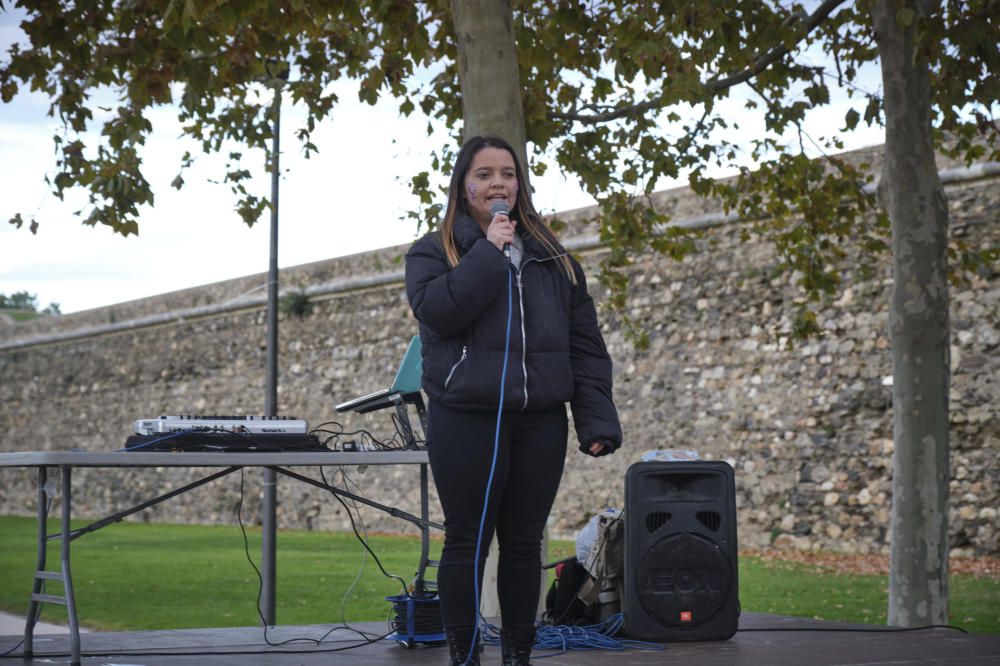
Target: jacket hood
<point>466,232</point>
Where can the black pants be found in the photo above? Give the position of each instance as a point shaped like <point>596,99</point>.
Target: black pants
<point>529,465</point>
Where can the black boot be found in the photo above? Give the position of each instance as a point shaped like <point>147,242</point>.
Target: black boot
<point>515,645</point>
<point>459,643</point>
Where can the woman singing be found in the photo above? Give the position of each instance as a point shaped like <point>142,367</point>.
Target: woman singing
<point>462,289</point>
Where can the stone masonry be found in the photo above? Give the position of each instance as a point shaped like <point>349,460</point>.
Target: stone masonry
<point>806,425</point>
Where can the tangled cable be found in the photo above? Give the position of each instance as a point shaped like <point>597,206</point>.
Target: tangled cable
<point>332,433</point>
<point>563,638</point>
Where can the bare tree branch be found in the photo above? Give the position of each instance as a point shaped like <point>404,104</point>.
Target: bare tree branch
<point>622,112</point>
<point>712,86</point>
<point>690,137</point>
<point>777,52</point>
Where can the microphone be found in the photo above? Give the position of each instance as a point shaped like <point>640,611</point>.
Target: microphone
<point>498,208</point>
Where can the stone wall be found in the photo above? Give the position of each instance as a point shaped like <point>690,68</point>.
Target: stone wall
<point>807,426</point>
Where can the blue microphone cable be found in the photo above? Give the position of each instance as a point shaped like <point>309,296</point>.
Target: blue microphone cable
<point>493,466</point>
<point>562,638</point>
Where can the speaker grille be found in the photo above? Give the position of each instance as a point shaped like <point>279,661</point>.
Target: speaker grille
<point>682,581</point>
<point>710,519</point>
<point>655,521</point>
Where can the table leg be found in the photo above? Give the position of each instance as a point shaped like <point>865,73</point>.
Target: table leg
<point>38,586</point>
<point>424,528</point>
<point>74,628</point>
<point>269,547</point>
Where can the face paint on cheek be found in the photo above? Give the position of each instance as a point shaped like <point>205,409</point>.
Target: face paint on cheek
<point>472,189</point>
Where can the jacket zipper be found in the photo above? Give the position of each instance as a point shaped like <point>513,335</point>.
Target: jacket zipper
<point>447,379</point>
<point>524,338</point>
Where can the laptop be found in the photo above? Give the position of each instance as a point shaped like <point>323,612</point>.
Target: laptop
<point>406,383</point>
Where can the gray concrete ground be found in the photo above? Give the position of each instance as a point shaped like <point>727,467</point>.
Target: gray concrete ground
<point>13,625</point>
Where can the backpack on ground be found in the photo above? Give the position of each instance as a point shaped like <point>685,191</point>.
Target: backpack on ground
<point>590,592</point>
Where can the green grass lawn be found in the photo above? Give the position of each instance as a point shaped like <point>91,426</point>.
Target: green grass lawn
<point>140,576</point>
<point>790,588</point>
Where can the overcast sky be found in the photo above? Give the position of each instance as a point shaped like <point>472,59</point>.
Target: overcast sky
<point>349,198</point>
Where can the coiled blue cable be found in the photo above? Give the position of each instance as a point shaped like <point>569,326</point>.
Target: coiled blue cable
<point>563,638</point>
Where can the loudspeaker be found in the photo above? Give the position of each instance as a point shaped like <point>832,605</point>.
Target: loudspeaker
<point>680,551</point>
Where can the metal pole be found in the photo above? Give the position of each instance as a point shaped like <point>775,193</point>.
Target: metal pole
<point>66,471</point>
<point>269,500</point>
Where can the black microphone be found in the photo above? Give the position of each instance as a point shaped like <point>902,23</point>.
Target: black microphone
<point>497,208</point>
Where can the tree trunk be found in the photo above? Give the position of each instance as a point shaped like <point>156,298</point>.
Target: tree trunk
<point>491,104</point>
<point>913,197</point>
<point>487,70</point>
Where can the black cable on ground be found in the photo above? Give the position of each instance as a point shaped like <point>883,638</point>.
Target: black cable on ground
<point>880,630</point>
<point>200,653</point>
<point>16,656</point>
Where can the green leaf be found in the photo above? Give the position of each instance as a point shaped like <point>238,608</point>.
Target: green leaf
<point>873,111</point>
<point>851,119</point>
<point>188,15</point>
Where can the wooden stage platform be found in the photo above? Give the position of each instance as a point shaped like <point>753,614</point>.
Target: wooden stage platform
<point>762,639</point>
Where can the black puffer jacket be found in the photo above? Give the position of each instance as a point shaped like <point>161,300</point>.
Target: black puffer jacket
<point>557,353</point>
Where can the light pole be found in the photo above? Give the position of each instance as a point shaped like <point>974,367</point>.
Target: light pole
<point>277,76</point>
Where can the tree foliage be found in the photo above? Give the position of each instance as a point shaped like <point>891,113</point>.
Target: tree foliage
<point>22,300</point>
<point>620,94</point>
<point>209,58</point>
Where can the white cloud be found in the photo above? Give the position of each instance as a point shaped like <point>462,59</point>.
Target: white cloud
<point>345,199</point>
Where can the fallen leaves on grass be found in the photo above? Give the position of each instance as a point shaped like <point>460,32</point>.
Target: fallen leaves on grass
<point>871,565</point>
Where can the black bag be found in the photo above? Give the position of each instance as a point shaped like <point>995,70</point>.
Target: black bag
<point>590,592</point>
<point>562,603</point>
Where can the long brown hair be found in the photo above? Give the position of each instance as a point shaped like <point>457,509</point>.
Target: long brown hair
<point>524,211</point>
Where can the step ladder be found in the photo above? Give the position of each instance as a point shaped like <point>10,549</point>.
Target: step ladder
<point>39,595</point>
